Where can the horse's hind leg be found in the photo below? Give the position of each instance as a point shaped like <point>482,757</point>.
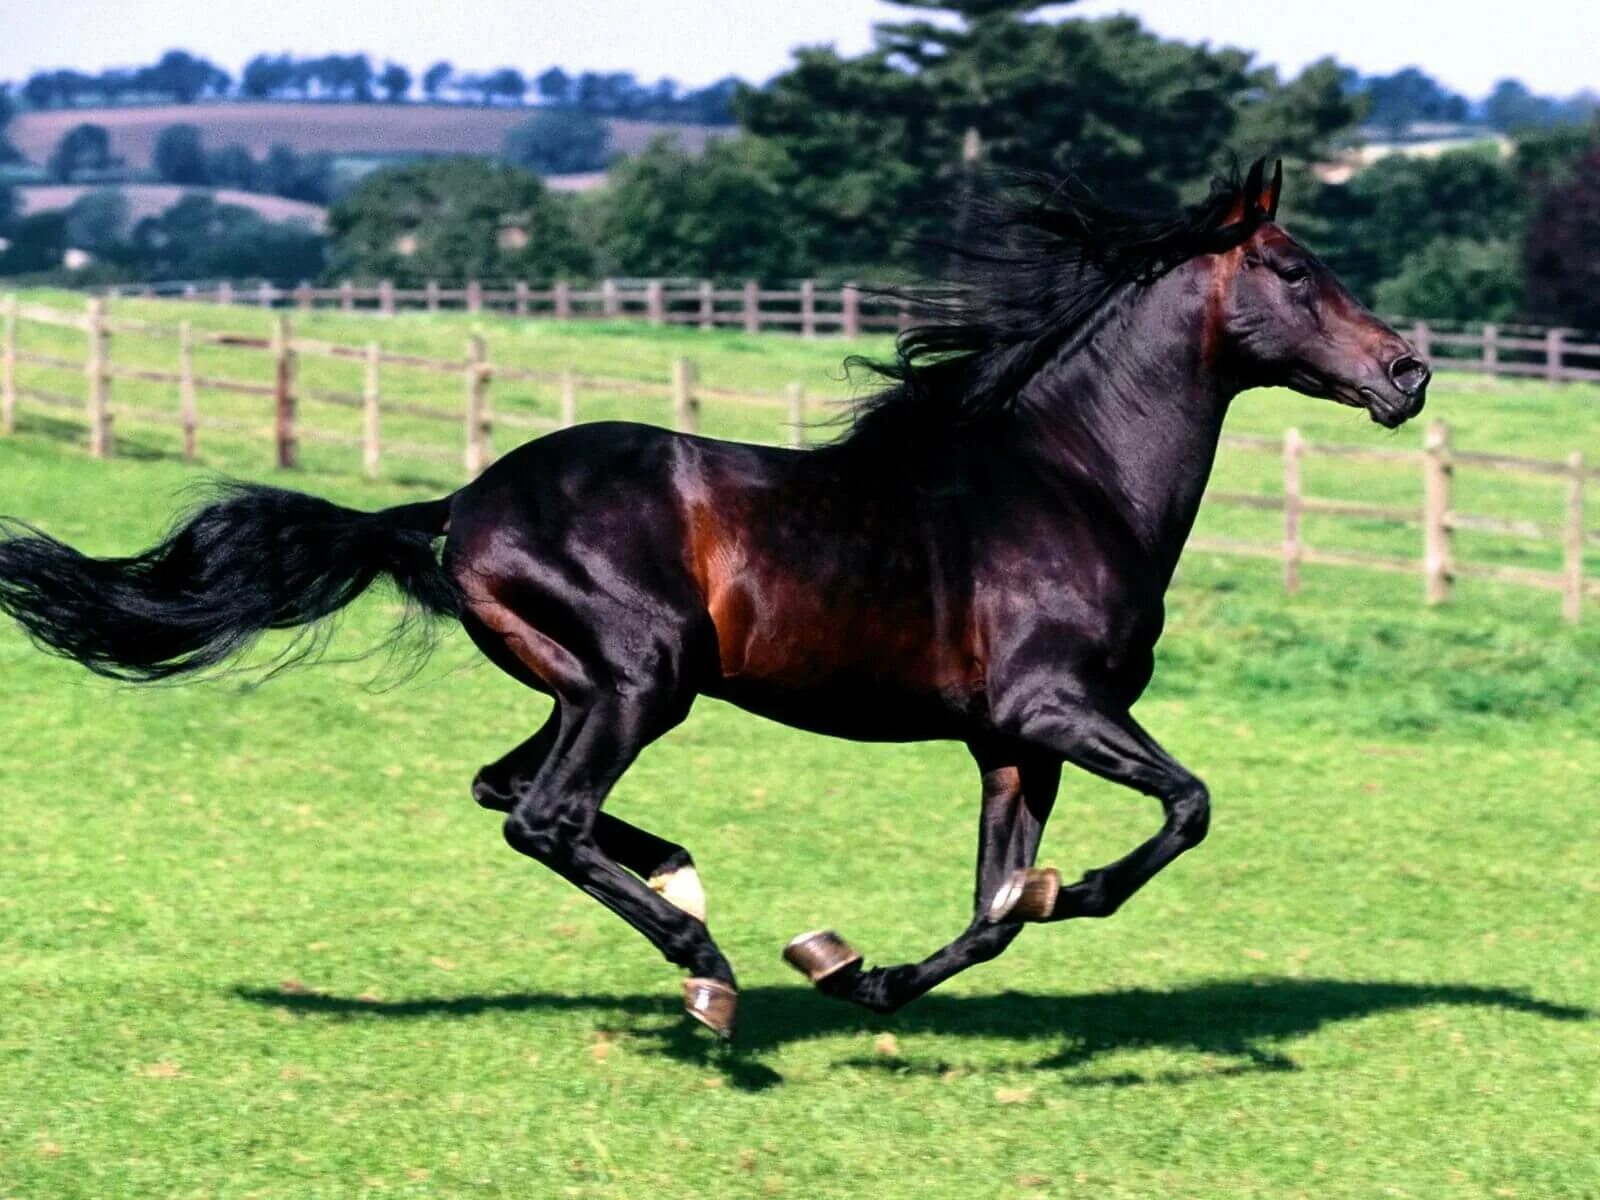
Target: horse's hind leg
<point>666,866</point>
<point>1018,793</point>
<point>555,819</point>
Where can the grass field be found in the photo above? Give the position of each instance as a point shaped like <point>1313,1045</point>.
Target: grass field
<point>258,941</point>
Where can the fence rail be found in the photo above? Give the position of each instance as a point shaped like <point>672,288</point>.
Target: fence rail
<point>285,426</point>
<point>848,310</point>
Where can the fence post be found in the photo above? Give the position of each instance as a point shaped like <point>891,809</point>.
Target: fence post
<point>708,306</point>
<point>264,295</point>
<point>372,414</point>
<point>189,293</point>
<point>797,415</point>
<point>563,300</point>
<point>522,298</point>
<point>1552,354</point>
<point>610,299</point>
<point>685,405</point>
<point>1491,349</point>
<point>808,308</point>
<point>850,307</point>
<point>188,408</point>
<point>8,364</point>
<point>752,307</point>
<point>655,298</point>
<point>1422,341</point>
<point>102,441</point>
<point>474,297</point>
<point>347,296</point>
<point>288,444</point>
<point>1437,472</point>
<point>302,297</point>
<point>432,290</point>
<point>1293,454</point>
<point>479,422</point>
<point>569,399</point>
<point>1572,557</point>
<point>225,292</point>
<point>386,297</point>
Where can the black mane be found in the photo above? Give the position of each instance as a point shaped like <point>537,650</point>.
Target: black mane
<point>1044,257</point>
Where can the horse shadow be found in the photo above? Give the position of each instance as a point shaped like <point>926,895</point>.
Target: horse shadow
<point>1245,1020</point>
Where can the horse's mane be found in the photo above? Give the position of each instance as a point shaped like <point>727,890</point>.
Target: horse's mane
<point>1041,258</point>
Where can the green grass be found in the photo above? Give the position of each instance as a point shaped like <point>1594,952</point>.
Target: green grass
<point>258,941</point>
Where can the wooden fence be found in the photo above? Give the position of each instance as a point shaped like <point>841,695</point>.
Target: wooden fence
<point>807,308</point>
<point>1436,518</point>
<point>278,386</point>
<point>1437,463</point>
<point>848,310</point>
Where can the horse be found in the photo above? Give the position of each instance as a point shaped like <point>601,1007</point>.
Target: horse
<point>981,555</point>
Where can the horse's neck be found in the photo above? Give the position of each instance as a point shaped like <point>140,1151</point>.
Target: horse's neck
<point>1135,411</point>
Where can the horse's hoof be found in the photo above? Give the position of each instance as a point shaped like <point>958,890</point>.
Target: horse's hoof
<point>819,954</point>
<point>714,1004</point>
<point>1029,895</point>
<point>682,889</point>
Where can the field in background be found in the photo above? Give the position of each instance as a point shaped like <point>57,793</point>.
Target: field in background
<point>258,940</point>
<point>153,199</point>
<point>345,129</point>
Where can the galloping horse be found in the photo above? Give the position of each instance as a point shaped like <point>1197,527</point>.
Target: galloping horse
<point>982,556</point>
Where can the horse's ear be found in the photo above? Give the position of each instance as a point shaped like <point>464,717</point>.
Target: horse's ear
<point>1269,196</point>
<point>1248,202</point>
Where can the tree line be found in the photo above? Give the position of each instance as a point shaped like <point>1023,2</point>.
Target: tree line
<point>860,166</point>
<point>180,77</point>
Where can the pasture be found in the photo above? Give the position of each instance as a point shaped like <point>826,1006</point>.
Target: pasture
<point>256,940</point>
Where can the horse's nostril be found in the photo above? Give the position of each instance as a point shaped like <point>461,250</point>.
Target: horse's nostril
<point>1409,373</point>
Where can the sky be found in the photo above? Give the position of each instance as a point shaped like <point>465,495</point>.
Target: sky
<point>1553,45</point>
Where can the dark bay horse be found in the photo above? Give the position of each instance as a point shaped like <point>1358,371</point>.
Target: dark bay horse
<point>982,557</point>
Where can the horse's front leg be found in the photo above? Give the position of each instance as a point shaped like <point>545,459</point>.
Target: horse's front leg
<point>1018,792</point>
<point>1109,743</point>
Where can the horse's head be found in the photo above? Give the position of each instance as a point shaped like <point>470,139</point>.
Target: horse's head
<point>1279,317</point>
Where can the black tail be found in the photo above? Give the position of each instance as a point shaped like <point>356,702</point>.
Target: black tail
<point>254,559</point>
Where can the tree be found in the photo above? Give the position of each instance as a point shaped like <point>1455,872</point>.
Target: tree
<point>197,238</point>
<point>452,219</point>
<point>724,214</point>
<point>1408,96</point>
<point>507,83</point>
<point>1457,279</point>
<point>435,78</point>
<point>8,152</point>
<point>1562,255</point>
<point>554,86</point>
<point>82,148</point>
<point>180,157</point>
<point>1386,214</point>
<point>266,76</point>
<point>559,141</point>
<point>8,206</point>
<point>97,221</point>
<point>233,166</point>
<point>880,144</point>
<point>1511,107</point>
<point>186,78</point>
<point>38,243</point>
<point>395,82</point>
<point>306,177</point>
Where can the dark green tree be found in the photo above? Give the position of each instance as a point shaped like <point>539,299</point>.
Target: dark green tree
<point>559,141</point>
<point>1562,256</point>
<point>454,219</point>
<point>1456,279</point>
<point>83,148</point>
<point>8,152</point>
<point>436,78</point>
<point>180,156</point>
<point>395,82</point>
<point>723,214</point>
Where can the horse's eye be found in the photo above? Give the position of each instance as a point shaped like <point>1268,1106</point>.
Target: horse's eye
<point>1295,274</point>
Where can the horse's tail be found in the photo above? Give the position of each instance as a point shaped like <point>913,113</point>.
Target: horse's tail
<point>254,558</point>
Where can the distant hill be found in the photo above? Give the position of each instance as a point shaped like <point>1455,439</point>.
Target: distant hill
<point>153,199</point>
<point>341,129</point>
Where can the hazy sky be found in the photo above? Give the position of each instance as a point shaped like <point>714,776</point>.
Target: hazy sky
<point>1552,44</point>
